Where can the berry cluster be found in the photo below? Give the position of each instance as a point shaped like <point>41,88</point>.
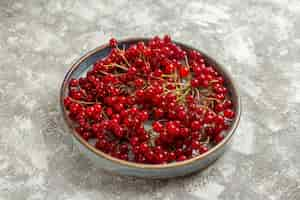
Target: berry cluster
<point>151,103</point>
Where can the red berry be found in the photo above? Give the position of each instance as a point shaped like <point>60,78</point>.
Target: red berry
<point>182,158</point>
<point>170,68</point>
<point>143,115</point>
<point>159,157</point>
<point>195,83</point>
<point>182,115</point>
<point>139,82</point>
<point>229,113</point>
<point>109,111</point>
<point>196,125</point>
<point>184,71</point>
<point>197,70</point>
<point>158,113</point>
<point>86,135</point>
<point>228,104</point>
<point>219,119</point>
<point>150,155</point>
<point>219,107</point>
<point>134,141</point>
<point>218,138</point>
<point>74,83</point>
<point>97,108</point>
<point>119,107</point>
<point>113,42</point>
<point>67,102</point>
<point>203,149</point>
<point>195,144</point>
<point>144,147</point>
<point>157,126</point>
<point>167,39</point>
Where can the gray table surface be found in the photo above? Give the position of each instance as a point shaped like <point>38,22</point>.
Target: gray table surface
<point>258,42</point>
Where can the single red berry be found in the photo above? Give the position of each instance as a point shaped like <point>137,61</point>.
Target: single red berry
<point>219,119</point>
<point>101,144</point>
<point>218,138</point>
<point>182,115</point>
<point>132,71</point>
<point>77,95</point>
<point>159,158</point>
<point>171,156</point>
<point>181,158</point>
<point>197,70</point>
<point>184,71</point>
<point>184,132</point>
<point>167,39</point>
<point>136,149</point>
<point>228,113</point>
<point>220,96</point>
<point>67,102</point>
<point>139,83</point>
<point>195,144</point>
<point>134,141</point>
<point>97,107</point>
<point>150,155</point>
<point>170,68</point>
<point>196,125</point>
<point>143,115</point>
<point>140,94</point>
<point>144,147</point>
<point>203,149</point>
<point>74,83</point>
<point>208,118</point>
<point>119,107</point>
<point>113,42</point>
<point>205,83</point>
<point>228,104</point>
<point>219,107</point>
<point>90,111</point>
<point>158,113</point>
<point>109,111</point>
<point>195,82</point>
<point>86,135</point>
<point>171,128</point>
<point>158,73</point>
<point>157,126</point>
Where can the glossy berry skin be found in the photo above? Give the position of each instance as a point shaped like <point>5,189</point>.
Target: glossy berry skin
<point>139,83</point>
<point>195,125</point>
<point>229,114</point>
<point>184,71</point>
<point>74,83</point>
<point>153,102</point>
<point>182,158</point>
<point>195,83</point>
<point>113,42</point>
<point>157,126</point>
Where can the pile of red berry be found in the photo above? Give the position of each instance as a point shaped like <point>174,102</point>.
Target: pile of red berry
<point>151,103</point>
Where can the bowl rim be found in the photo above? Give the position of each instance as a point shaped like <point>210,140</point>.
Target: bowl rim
<point>139,165</point>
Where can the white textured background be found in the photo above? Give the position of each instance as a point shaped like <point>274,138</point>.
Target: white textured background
<point>258,41</point>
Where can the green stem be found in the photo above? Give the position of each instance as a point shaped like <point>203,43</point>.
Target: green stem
<point>117,65</point>
<point>82,102</point>
<point>184,94</point>
<point>104,114</point>
<point>167,75</point>
<point>187,62</point>
<point>124,57</point>
<point>103,72</point>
